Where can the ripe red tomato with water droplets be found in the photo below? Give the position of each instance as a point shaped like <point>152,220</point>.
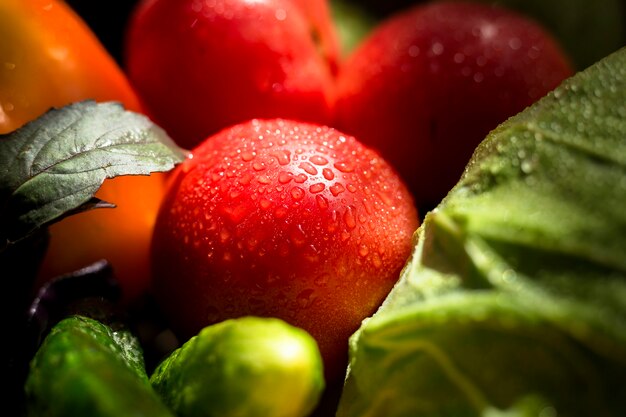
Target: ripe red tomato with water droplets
<point>429,83</point>
<point>284,219</point>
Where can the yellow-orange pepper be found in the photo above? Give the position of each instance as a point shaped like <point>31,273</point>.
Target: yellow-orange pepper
<point>50,57</point>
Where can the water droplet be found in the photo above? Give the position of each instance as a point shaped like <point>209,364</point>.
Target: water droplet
<point>367,206</point>
<point>363,250</point>
<point>265,203</point>
<point>515,43</point>
<point>227,256</point>
<point>311,254</point>
<point>317,188</point>
<point>377,261</point>
<point>534,52</point>
<point>336,189</point>
<point>297,235</point>
<point>349,217</point>
<point>437,48</point>
<point>478,77</point>
<point>459,57</point>
<point>527,166</point>
<point>280,14</point>
<point>280,212</point>
<point>284,177</point>
<point>345,167</point>
<point>351,187</point>
<point>247,156</point>
<point>297,193</point>
<point>224,235</point>
<point>264,179</point>
<point>244,179</point>
<point>283,157</point>
<point>321,202</point>
<point>300,178</point>
<point>328,174</point>
<point>258,166</point>
<point>509,275</point>
<point>318,160</point>
<point>414,51</point>
<point>384,198</point>
<point>252,243</point>
<point>308,168</point>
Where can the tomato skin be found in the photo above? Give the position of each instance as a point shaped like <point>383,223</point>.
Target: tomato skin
<point>283,219</point>
<point>50,58</point>
<point>429,83</point>
<point>202,66</point>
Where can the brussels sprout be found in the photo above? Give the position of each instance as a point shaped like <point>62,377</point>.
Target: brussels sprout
<point>514,300</point>
<point>243,367</point>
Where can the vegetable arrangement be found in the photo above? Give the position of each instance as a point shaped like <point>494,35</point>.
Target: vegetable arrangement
<point>279,233</point>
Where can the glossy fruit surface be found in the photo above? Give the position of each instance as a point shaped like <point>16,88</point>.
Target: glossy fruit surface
<point>284,219</point>
<point>200,66</point>
<point>120,235</point>
<point>49,57</point>
<point>429,84</point>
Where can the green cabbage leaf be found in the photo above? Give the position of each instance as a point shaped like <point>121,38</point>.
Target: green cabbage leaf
<point>513,302</point>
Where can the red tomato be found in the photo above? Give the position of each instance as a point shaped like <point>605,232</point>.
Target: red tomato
<point>429,84</point>
<point>200,66</point>
<point>283,219</point>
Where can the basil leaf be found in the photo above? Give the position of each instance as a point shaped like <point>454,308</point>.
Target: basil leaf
<point>55,164</point>
<point>514,300</point>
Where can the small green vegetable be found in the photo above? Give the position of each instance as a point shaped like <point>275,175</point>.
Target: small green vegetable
<point>86,368</point>
<point>514,301</point>
<point>246,367</point>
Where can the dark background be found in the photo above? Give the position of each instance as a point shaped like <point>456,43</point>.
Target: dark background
<point>108,19</point>
<point>580,24</point>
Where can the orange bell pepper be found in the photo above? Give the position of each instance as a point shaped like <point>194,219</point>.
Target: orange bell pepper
<point>49,58</point>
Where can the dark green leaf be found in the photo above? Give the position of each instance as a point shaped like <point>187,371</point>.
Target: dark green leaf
<point>55,164</point>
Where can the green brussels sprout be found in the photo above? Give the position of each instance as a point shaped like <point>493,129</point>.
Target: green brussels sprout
<point>245,367</point>
<point>514,300</point>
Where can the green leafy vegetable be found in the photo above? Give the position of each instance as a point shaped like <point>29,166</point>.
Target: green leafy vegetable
<point>514,301</point>
<point>54,165</point>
